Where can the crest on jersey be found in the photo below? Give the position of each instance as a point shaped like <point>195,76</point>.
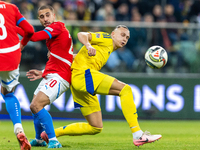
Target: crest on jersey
<point>97,35</point>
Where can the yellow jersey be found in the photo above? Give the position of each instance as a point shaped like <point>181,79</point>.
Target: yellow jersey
<point>103,44</point>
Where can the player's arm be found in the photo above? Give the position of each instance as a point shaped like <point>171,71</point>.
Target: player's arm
<point>25,25</point>
<point>37,36</point>
<point>28,32</point>
<point>85,38</point>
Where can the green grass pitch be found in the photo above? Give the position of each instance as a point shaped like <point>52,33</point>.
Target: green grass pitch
<point>116,135</point>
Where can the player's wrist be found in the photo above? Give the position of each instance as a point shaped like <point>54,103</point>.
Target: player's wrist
<point>87,45</point>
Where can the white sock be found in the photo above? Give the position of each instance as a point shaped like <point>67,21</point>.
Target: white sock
<point>16,126</point>
<point>137,135</point>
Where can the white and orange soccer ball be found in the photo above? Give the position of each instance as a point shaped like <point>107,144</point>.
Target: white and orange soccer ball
<point>156,57</point>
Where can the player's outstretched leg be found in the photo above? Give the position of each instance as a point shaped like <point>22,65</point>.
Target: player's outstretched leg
<point>130,113</point>
<point>24,143</point>
<point>146,138</point>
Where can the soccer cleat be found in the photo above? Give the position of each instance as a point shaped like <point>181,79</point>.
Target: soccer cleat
<point>24,143</point>
<point>34,142</point>
<point>54,144</point>
<point>44,136</point>
<point>146,138</point>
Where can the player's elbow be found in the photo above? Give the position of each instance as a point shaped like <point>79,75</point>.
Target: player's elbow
<point>80,34</point>
<point>30,31</point>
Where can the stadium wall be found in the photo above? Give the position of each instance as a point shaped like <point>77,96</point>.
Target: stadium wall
<point>157,96</point>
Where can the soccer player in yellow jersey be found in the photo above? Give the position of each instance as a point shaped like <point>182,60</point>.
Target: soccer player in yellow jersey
<point>87,81</point>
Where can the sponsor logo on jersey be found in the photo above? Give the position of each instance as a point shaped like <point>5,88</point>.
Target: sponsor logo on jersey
<point>106,35</point>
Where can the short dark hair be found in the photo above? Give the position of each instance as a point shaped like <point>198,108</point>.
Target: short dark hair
<point>46,7</point>
<point>121,26</point>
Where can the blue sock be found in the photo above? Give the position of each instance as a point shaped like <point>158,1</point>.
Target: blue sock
<point>38,128</point>
<point>46,122</point>
<point>12,107</point>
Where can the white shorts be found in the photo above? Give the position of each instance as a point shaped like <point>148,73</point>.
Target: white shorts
<point>53,86</point>
<point>9,79</point>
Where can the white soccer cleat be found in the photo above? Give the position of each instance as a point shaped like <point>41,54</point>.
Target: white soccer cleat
<point>146,138</point>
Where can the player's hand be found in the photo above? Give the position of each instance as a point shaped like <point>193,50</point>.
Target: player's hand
<point>74,55</point>
<point>91,51</point>
<point>21,46</point>
<point>34,74</point>
<point>48,54</point>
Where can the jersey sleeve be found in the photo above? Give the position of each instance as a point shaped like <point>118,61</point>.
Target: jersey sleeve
<point>27,27</point>
<point>53,30</point>
<point>37,36</point>
<point>19,16</point>
<point>97,37</point>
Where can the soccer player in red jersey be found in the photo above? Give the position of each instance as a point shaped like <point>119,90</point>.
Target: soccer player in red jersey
<point>10,56</point>
<point>56,75</point>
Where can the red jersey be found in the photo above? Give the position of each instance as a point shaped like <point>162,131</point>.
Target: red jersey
<point>61,51</point>
<point>10,53</point>
<point>59,43</point>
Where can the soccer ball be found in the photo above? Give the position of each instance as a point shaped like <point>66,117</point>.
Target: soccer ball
<point>156,57</point>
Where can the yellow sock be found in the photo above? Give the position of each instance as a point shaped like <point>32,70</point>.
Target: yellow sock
<point>79,128</point>
<point>129,108</point>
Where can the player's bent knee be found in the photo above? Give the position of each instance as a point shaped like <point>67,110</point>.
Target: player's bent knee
<point>32,106</point>
<point>35,108</point>
<point>96,130</point>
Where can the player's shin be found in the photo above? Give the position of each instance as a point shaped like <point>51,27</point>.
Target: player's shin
<point>46,122</point>
<point>79,128</point>
<point>13,107</point>
<point>129,108</point>
<point>38,128</point>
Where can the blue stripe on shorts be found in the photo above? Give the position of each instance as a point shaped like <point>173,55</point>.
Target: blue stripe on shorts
<point>76,105</point>
<point>89,82</point>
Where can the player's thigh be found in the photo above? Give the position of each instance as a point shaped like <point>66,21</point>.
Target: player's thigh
<point>9,79</point>
<point>116,87</point>
<point>39,101</point>
<point>52,86</point>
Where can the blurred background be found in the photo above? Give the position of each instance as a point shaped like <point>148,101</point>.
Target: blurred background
<point>172,24</point>
<point>172,92</point>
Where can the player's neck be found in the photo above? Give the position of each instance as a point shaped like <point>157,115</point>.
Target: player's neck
<point>114,46</point>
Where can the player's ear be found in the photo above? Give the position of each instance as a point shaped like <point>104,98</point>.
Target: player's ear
<point>112,33</point>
